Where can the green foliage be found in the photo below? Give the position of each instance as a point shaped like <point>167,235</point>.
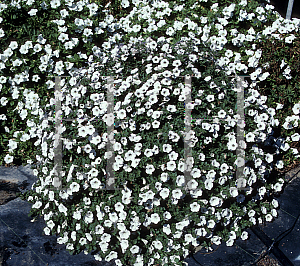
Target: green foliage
<point>18,25</point>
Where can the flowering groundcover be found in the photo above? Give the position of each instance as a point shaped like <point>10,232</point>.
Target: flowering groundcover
<point>148,48</point>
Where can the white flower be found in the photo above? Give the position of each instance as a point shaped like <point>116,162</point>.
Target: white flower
<point>167,229</point>
<point>148,153</point>
<point>230,242</point>
<point>210,98</point>
<point>8,158</point>
<point>12,144</point>
<point>103,246</point>
<point>264,210</point>
<point>171,166</point>
<point>170,31</point>
<point>177,193</point>
<point>82,241</point>
<point>216,240</point>
<point>233,191</point>
<point>274,213</point>
<point>87,201</point>
<point>51,195</point>
<point>35,78</point>
<point>295,137</point>
<point>63,37</point>
<point>47,231</point>
<point>244,235</point>
<point>121,114</point>
<point>13,45</point>
<point>87,32</point>
<point>125,3</point>
<point>50,224</point>
<point>215,201</point>
<point>113,217</point>
<point>195,207</point>
<point>251,213</point>
<point>95,183</point>
<point>208,78</point>
<point>279,164</point>
<point>269,158</point>
<point>275,203</point>
<point>269,217</point>
<point>150,169</point>
<point>232,145</point>
<point>106,237</point>
<point>211,224</point>
<point>77,215</point>
<point>63,240</point>
<point>73,235</point>
<point>119,207</point>
<point>32,12</point>
<point>64,13</point>
<point>239,162</point>
<point>167,148</point>
<point>124,234</point>
<point>290,38</point>
<point>201,232</point>
<point>155,218</point>
<point>188,238</point>
<point>209,183</point>
<point>99,229</point>
<point>136,28</point>
<point>250,137</point>
<point>62,208</point>
<point>124,245</point>
<point>70,246</point>
<point>157,244</point>
<point>196,173</point>
<point>277,187</point>
<point>74,187</point>
<point>126,199</point>
<point>262,191</point>
<point>37,205</point>
<point>296,108</point>
<point>164,62</point>
<point>2,33</point>
<point>55,3</point>
<point>134,249</point>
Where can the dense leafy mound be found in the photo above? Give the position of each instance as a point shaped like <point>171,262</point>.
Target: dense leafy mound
<point>158,206</point>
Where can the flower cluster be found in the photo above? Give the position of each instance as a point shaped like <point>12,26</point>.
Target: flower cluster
<point>156,209</point>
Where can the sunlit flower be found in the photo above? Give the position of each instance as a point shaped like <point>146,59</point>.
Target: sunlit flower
<point>269,217</point>
<point>155,218</point>
<point>215,201</point>
<point>296,109</point>
<point>157,244</point>
<point>74,187</point>
<point>77,215</point>
<point>195,207</point>
<point>230,242</point>
<point>177,193</point>
<point>70,246</point>
<point>290,38</point>
<point>216,240</point>
<point>274,213</point>
<point>55,3</point>
<point>211,224</point>
<point>63,209</point>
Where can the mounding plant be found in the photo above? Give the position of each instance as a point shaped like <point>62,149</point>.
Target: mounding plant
<point>156,215</point>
